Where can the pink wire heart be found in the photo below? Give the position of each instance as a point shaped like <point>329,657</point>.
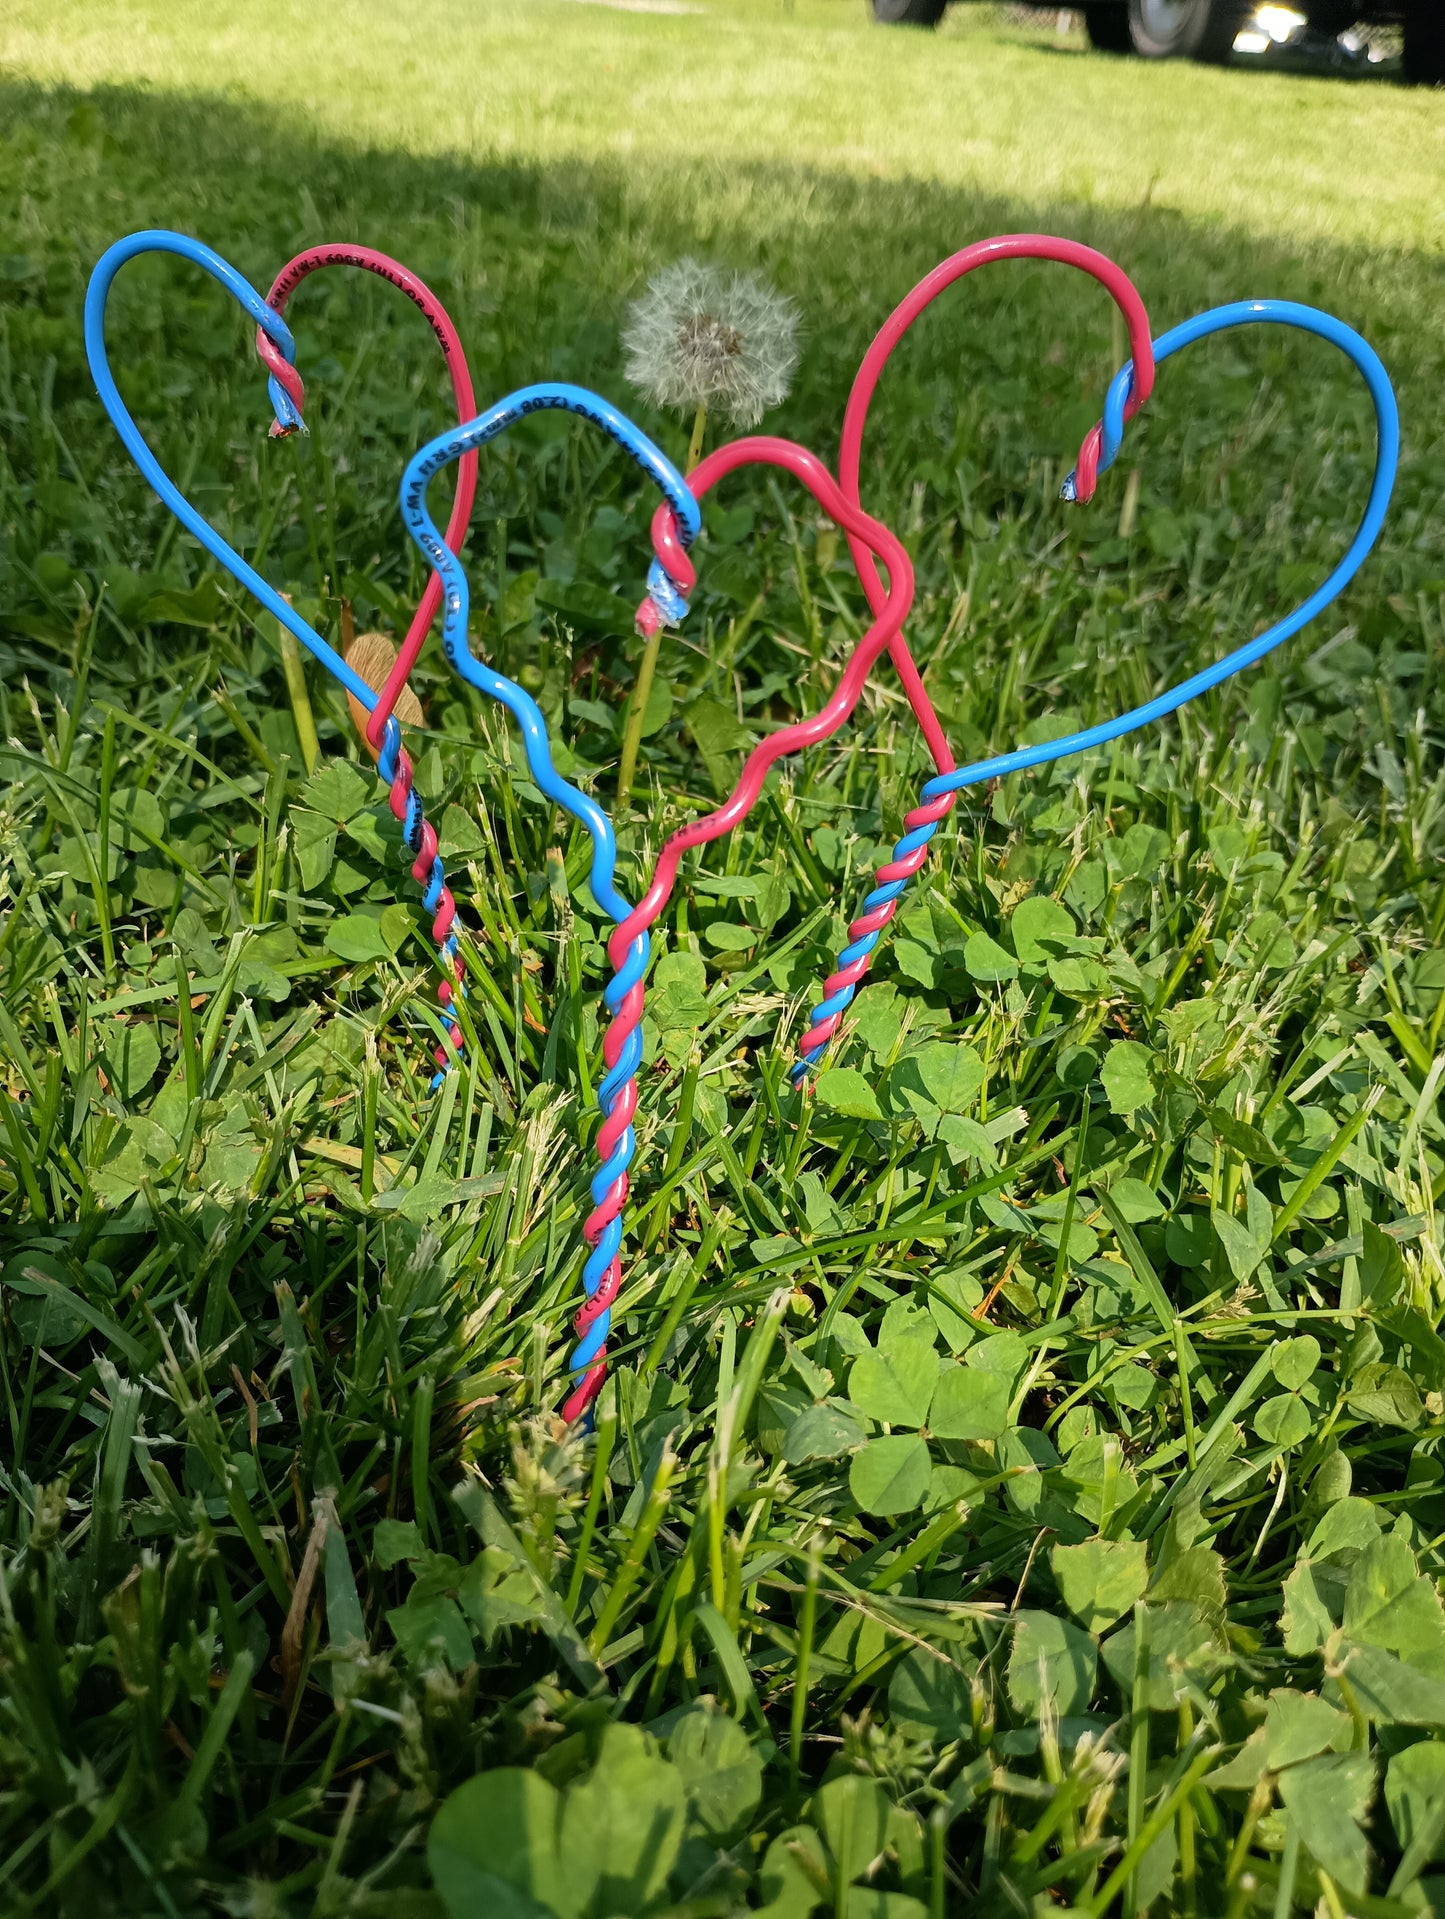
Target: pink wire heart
<point>868,540</point>
<point>439,320</point>
<point>923,821</point>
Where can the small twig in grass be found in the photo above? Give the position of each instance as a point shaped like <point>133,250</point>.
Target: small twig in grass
<point>1138,1744</point>
<point>295,1626</point>
<point>252,1412</point>
<point>1044,1533</point>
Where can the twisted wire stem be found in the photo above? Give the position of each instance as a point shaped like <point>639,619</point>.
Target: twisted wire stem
<point>891,879</point>
<point>603,1229</point>
<point>670,581</point>
<point>420,839</point>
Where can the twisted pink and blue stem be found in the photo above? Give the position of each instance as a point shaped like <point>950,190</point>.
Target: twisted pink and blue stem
<point>890,882</point>
<point>419,836</point>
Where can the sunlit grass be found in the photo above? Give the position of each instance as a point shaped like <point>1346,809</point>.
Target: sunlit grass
<point>1140,1111</point>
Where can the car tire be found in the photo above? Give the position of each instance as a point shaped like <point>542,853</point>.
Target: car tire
<point>1332,17</point>
<point>1184,29</point>
<point>908,13</point>
<point>1424,63</point>
<point>1107,25</point>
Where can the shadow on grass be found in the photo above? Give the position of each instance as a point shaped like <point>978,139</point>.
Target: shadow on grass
<point>540,258</point>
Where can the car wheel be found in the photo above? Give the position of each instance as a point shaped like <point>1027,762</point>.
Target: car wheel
<point>1108,27</point>
<point>1425,46</point>
<point>1333,17</point>
<point>909,13</point>
<point>1184,29</point>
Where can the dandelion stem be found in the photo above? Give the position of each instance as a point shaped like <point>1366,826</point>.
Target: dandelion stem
<point>636,714</point>
<point>699,429</point>
<point>642,691</point>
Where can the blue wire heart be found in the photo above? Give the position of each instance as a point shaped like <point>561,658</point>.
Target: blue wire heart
<point>394,765</point>
<point>421,470</point>
<point>241,290</point>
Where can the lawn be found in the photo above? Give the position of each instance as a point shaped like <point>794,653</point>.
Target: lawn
<point>308,1601</point>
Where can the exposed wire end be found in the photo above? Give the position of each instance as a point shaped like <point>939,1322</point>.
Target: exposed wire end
<point>648,619</point>
<point>670,578</point>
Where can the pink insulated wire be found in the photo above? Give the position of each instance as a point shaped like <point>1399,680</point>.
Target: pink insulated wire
<point>394,762</point>
<point>343,254</point>
<point>759,450</point>
<point>923,821</point>
<point>895,604</point>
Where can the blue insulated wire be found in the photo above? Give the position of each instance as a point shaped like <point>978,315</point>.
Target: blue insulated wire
<point>96,298</point>
<point>456,604</point>
<point>456,598</point>
<point>1387,458</point>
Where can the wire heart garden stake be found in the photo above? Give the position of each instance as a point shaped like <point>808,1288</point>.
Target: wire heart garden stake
<point>923,822</point>
<point>287,395</point>
<point>1097,455</point>
<point>670,580</point>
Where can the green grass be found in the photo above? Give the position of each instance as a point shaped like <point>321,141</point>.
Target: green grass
<point>1135,1606</point>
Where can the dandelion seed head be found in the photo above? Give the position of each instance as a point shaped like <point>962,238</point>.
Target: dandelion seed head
<point>701,336</point>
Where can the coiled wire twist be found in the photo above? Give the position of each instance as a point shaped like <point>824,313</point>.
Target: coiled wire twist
<point>420,839</point>
<point>616,1141</point>
<point>866,931</point>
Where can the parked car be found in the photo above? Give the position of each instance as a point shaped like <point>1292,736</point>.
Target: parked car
<point>1206,29</point>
